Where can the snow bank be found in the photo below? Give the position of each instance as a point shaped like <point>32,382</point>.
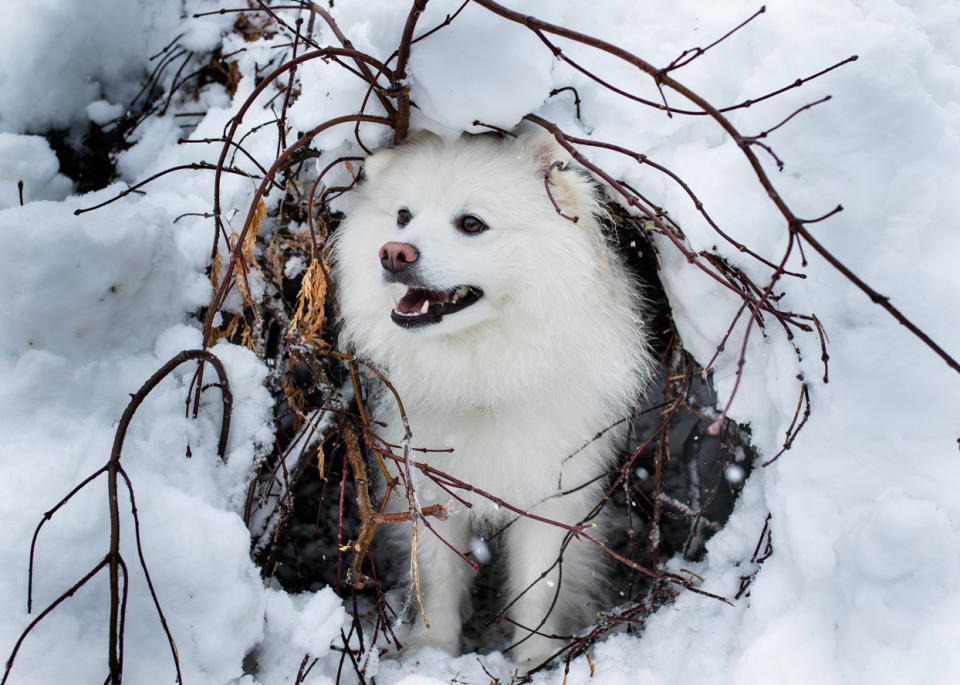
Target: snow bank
<point>60,56</point>
<point>864,520</point>
<point>93,305</point>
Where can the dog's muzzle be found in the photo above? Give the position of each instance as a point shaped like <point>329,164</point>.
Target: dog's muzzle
<point>421,305</point>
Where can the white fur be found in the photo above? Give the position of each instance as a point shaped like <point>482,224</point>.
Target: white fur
<point>550,355</point>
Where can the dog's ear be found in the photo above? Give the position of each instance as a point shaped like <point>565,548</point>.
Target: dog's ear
<point>543,148</point>
<point>569,190</point>
<point>377,163</point>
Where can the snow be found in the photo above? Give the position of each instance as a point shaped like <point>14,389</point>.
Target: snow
<point>864,517</point>
<point>29,159</point>
<point>102,112</point>
<point>59,57</point>
<point>505,83</point>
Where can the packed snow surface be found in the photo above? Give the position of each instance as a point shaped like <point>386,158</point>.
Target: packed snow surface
<point>864,516</point>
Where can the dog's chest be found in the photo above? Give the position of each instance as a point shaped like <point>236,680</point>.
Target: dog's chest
<point>521,458</point>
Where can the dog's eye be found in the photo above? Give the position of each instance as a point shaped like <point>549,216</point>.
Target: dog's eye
<point>471,225</point>
<point>403,217</point>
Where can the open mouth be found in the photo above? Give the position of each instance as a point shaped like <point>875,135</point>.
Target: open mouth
<point>422,307</point>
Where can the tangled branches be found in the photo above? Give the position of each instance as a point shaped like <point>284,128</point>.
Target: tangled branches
<point>321,414</point>
<point>113,561</point>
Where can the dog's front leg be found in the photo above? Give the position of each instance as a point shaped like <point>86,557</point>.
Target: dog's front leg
<point>550,585</point>
<point>444,585</point>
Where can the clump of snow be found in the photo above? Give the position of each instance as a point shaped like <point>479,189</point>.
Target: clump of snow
<point>29,159</point>
<point>102,112</point>
<point>480,550</point>
<point>495,86</point>
<point>733,474</point>
<point>296,628</point>
<point>294,267</point>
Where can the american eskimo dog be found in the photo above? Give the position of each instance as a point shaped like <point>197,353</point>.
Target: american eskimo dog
<point>475,275</point>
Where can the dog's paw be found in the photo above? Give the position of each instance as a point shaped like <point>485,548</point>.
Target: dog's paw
<point>534,651</point>
<point>421,639</point>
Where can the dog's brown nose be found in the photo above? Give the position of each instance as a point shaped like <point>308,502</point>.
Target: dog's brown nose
<point>395,257</point>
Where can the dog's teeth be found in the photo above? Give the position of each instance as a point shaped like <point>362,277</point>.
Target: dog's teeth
<point>459,294</point>
<point>425,307</point>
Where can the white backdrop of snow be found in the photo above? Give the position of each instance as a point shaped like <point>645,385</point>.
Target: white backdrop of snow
<point>865,520</point>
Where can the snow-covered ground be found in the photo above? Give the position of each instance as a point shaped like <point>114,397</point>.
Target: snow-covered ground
<point>865,519</point>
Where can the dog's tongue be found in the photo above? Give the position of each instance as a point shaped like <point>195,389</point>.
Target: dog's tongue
<point>413,301</point>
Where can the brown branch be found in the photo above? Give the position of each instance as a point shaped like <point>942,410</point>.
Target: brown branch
<point>195,166</point>
<point>43,614</point>
<point>46,517</point>
<point>794,428</point>
<point>877,298</point>
<point>146,575</point>
<point>756,558</point>
<point>576,97</point>
<point>114,470</point>
<point>796,84</point>
<point>401,91</point>
<point>795,113</point>
<point>448,19</point>
<point>369,517</point>
<point>502,131</point>
<point>546,184</point>
<point>288,91</point>
<point>824,357</point>
<point>361,61</point>
<point>687,56</point>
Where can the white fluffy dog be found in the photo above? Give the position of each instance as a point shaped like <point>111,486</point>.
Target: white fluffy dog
<point>512,336</point>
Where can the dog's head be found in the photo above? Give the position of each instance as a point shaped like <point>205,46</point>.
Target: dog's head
<point>448,235</point>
